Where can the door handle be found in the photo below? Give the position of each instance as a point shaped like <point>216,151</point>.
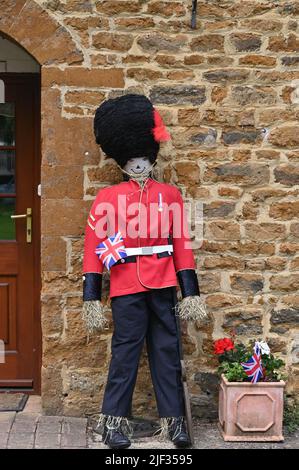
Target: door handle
<point>28,217</point>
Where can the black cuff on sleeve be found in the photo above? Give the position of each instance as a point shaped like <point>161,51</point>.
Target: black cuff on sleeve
<point>188,282</point>
<point>92,286</point>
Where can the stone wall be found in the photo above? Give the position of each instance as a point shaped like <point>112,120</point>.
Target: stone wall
<point>229,93</point>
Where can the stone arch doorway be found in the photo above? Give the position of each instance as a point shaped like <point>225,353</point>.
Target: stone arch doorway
<point>30,41</point>
<point>19,218</point>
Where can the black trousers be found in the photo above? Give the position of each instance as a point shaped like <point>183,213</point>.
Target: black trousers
<point>144,315</point>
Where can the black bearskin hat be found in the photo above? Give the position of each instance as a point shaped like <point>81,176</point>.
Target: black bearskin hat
<point>129,127</point>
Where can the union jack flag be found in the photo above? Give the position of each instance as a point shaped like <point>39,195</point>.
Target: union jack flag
<point>253,367</point>
<point>111,250</point>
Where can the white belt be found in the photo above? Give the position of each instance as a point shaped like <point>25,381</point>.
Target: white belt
<point>148,250</point>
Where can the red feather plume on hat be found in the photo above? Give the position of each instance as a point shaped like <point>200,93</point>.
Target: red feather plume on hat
<point>159,131</point>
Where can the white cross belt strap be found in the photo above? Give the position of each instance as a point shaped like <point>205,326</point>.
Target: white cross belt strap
<point>149,250</point>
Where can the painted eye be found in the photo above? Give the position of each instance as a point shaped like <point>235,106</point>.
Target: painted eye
<point>144,158</point>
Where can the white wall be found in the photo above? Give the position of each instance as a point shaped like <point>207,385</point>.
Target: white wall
<point>15,59</point>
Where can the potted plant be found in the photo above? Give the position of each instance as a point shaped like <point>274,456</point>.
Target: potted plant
<point>251,392</point>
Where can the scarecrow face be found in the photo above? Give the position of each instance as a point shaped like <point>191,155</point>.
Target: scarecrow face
<point>137,166</point>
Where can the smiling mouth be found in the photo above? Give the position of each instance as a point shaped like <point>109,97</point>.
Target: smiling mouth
<point>138,171</point>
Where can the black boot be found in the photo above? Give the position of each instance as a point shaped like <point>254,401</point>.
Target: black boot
<point>178,432</point>
<point>113,435</point>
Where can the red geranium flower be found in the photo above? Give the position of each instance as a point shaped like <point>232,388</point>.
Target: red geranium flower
<point>222,345</point>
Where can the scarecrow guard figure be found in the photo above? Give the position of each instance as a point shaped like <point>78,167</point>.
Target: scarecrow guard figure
<point>137,230</point>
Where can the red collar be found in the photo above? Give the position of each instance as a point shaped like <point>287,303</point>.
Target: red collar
<point>147,184</point>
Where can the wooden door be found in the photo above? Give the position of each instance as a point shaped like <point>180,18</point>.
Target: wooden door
<point>19,257</point>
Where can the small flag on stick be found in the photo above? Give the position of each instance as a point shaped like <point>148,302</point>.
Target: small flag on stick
<point>253,367</point>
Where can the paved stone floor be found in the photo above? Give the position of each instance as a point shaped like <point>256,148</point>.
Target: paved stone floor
<point>30,429</point>
<point>26,431</point>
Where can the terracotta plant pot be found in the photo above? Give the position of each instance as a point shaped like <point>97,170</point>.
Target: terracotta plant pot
<point>251,412</point>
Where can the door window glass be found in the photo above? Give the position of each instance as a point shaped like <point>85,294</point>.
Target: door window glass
<point>7,224</point>
<point>7,171</point>
<point>7,124</point>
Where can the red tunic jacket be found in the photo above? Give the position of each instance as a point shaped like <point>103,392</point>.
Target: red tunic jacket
<point>147,217</point>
